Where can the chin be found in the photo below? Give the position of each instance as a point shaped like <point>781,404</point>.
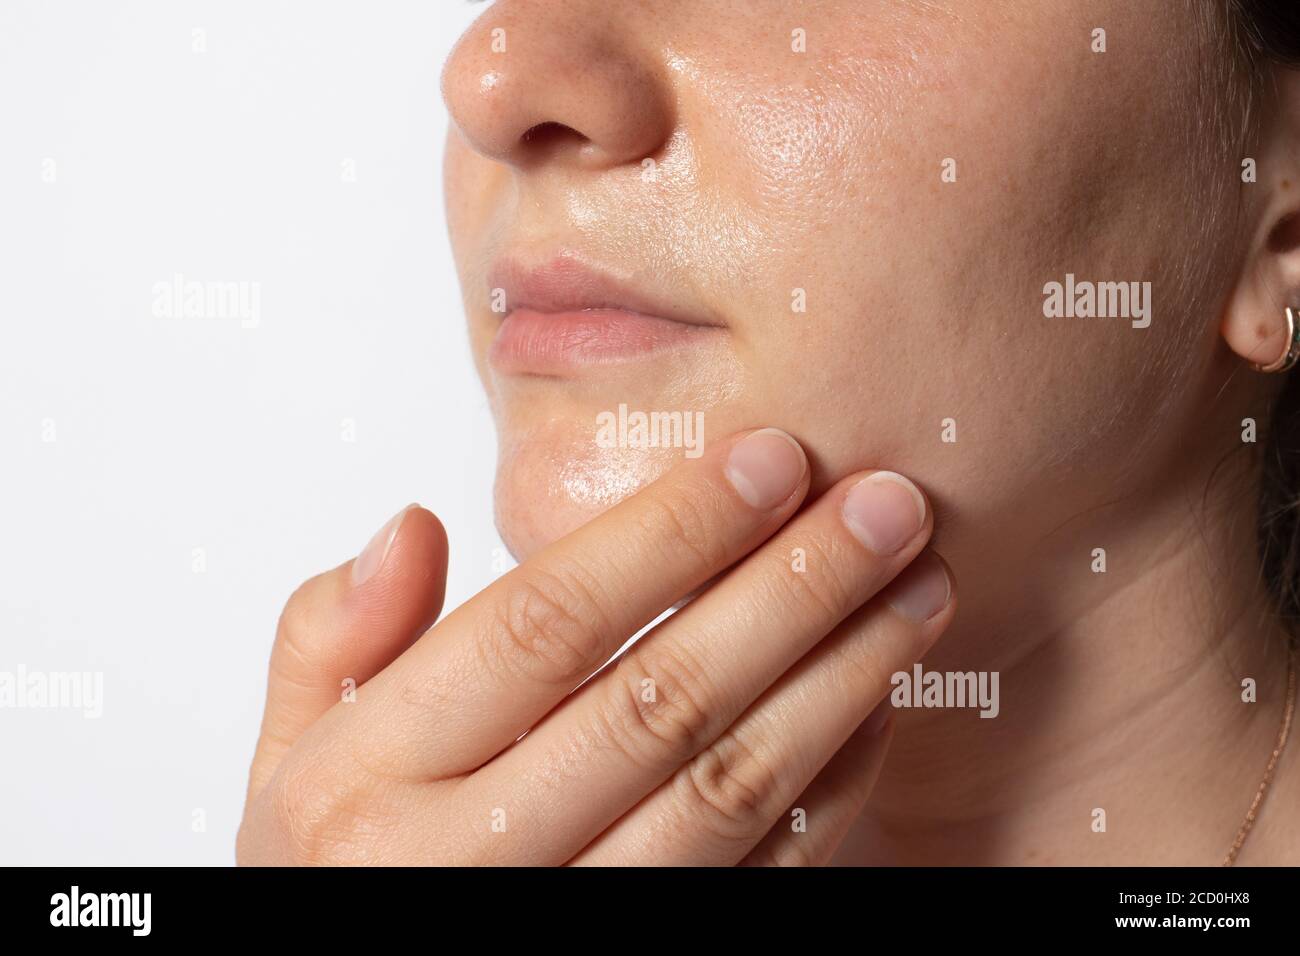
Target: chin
<point>553,480</point>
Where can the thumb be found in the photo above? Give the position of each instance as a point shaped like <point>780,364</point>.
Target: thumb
<point>342,627</point>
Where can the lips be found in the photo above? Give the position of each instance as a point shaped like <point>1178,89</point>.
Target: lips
<point>563,317</point>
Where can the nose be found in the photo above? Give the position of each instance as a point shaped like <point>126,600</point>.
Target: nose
<point>536,83</point>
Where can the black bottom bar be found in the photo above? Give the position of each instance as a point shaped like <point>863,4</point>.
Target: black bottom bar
<point>486,907</point>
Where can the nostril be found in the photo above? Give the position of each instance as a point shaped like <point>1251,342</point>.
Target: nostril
<point>548,133</point>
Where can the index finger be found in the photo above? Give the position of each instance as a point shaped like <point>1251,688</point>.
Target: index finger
<point>494,667</point>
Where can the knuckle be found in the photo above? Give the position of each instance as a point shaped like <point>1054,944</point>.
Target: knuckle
<point>823,589</point>
<point>550,627</point>
<point>861,661</point>
<point>299,631</point>
<point>325,818</point>
<point>685,521</point>
<point>671,726</point>
<point>728,788</point>
<point>295,619</point>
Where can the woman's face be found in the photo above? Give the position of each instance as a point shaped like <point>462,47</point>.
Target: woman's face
<point>865,224</point>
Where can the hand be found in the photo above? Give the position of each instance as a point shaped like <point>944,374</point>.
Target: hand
<point>473,743</point>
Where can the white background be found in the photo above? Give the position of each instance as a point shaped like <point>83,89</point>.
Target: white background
<point>176,434</point>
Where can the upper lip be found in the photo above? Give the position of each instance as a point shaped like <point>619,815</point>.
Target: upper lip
<point>566,284</point>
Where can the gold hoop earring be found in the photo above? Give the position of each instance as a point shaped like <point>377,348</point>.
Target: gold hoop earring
<point>1291,354</point>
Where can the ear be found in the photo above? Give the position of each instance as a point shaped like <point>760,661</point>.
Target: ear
<point>1254,321</point>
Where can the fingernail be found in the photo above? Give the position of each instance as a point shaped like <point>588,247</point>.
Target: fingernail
<point>922,590</point>
<point>371,558</point>
<point>884,511</point>
<point>877,719</point>
<point>766,467</point>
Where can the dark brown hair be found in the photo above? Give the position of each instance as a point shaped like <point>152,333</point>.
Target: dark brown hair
<point>1270,28</point>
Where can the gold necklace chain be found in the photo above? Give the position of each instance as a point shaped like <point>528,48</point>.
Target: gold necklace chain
<point>1287,712</point>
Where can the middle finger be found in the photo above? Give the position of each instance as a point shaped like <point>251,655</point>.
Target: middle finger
<point>681,686</point>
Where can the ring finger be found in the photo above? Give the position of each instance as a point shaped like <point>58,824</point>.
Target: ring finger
<point>685,683</point>
<point>719,806</point>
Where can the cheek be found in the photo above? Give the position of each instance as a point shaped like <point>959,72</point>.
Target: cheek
<point>923,293</point>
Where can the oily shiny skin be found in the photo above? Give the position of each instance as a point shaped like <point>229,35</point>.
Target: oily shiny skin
<point>821,171</point>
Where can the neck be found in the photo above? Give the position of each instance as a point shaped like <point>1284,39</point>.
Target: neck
<point>1121,704</point>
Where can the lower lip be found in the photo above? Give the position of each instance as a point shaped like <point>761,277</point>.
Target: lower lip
<point>553,343</point>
